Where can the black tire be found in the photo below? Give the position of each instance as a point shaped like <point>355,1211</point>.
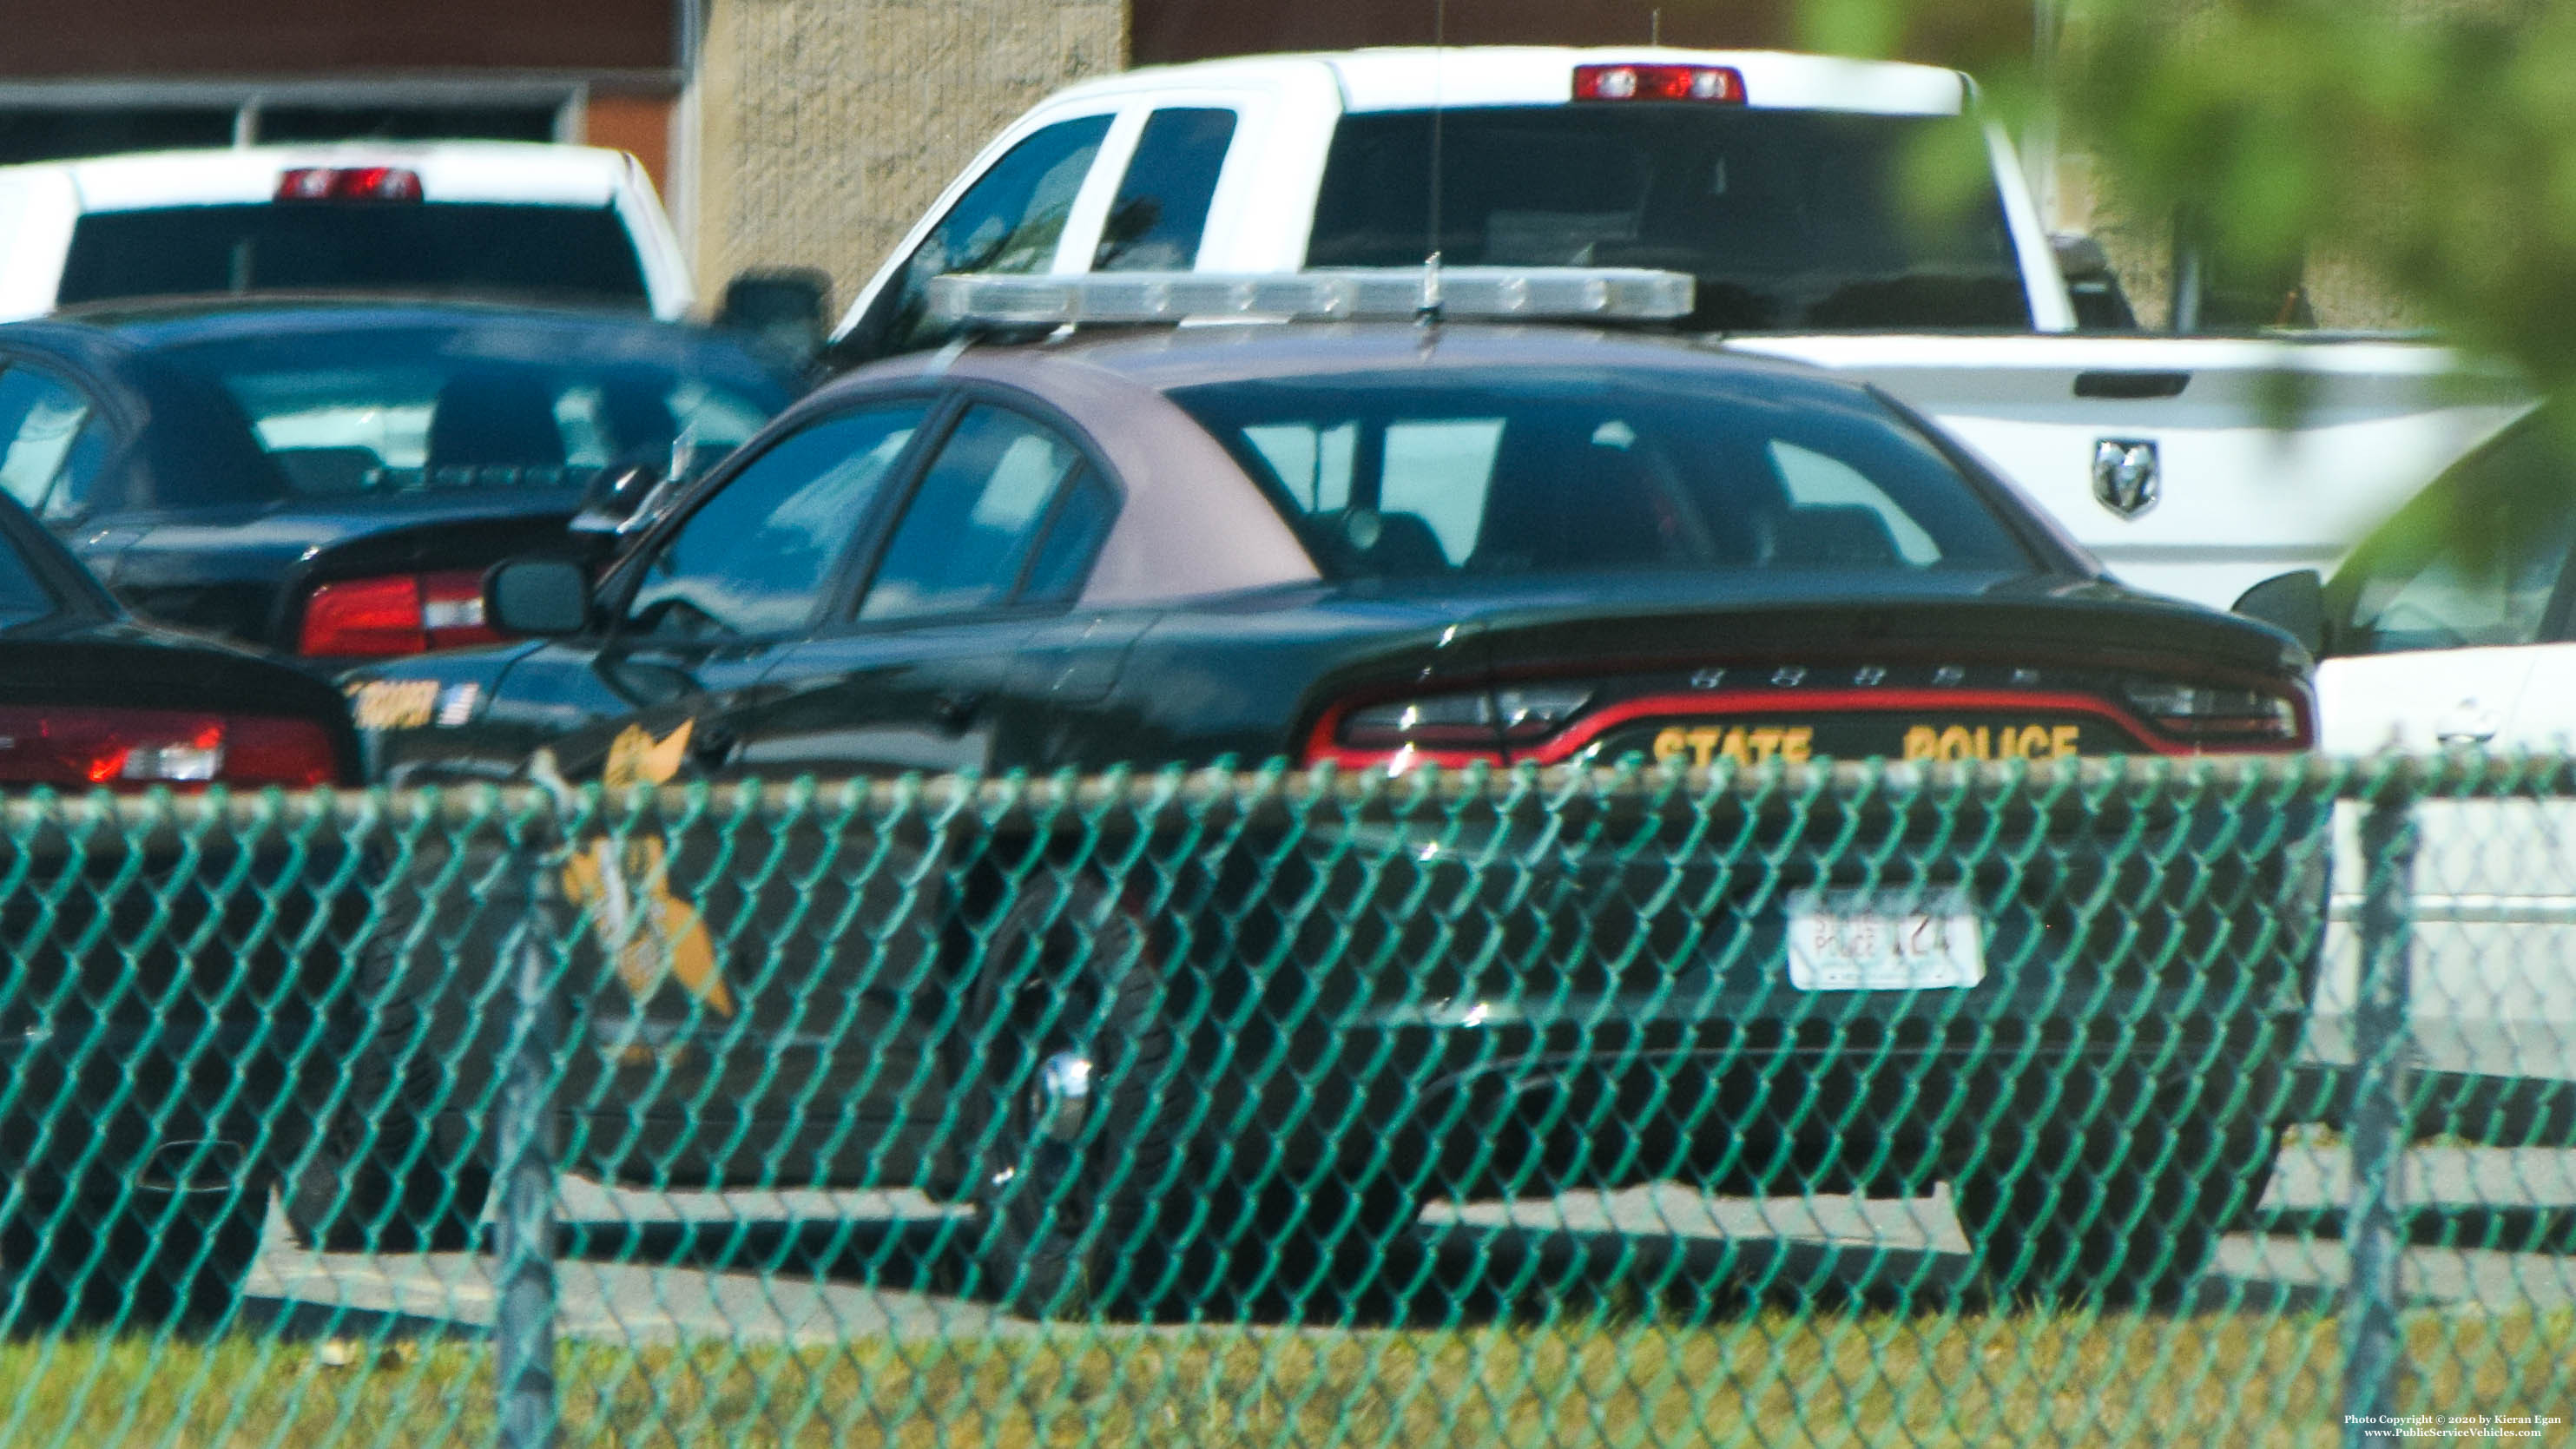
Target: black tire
<point>1074,1220</point>
<point>2110,1218</point>
<point>144,1262</point>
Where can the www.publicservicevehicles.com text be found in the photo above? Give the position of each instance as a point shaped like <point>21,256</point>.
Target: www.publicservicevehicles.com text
<point>2454,1426</point>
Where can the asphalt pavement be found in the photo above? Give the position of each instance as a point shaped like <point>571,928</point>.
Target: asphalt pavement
<point>2492,1229</point>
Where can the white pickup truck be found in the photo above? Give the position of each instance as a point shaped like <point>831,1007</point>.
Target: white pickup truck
<point>2193,465</point>
<point>554,223</point>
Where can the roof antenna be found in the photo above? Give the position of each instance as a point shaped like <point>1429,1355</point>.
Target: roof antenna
<point>1428,313</point>
<point>1655,26</point>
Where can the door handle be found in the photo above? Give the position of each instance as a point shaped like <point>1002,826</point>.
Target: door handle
<point>955,711</point>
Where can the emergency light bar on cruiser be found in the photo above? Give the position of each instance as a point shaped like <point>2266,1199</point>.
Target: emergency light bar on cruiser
<point>1354,294</point>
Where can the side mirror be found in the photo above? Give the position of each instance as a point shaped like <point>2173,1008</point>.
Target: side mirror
<point>2294,603</point>
<point>783,306</point>
<point>546,597</point>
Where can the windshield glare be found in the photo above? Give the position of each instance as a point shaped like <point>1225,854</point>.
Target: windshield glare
<point>385,413</point>
<point>1787,218</point>
<point>1531,471</point>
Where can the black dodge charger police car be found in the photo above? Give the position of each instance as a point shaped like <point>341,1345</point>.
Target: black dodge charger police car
<point>1382,546</point>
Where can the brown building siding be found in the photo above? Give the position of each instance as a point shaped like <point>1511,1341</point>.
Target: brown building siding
<point>636,124</point>
<point>173,38</point>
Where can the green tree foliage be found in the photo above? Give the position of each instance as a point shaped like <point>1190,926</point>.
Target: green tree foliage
<point>2431,144</point>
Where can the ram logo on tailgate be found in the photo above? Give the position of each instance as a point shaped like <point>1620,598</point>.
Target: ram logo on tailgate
<point>2124,475</point>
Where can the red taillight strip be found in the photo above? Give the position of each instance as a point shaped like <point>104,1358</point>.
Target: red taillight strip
<point>82,746</point>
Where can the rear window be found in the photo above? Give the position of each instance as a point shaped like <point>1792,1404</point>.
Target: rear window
<point>1530,471</point>
<point>401,410</point>
<point>1788,218</point>
<point>560,252</point>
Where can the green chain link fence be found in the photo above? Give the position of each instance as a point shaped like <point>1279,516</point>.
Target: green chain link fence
<point>2105,1103</point>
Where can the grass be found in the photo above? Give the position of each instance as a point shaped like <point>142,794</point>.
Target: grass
<point>1776,1379</point>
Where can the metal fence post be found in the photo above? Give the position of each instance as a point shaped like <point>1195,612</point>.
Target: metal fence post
<point>524,1329</point>
<point>2378,1122</point>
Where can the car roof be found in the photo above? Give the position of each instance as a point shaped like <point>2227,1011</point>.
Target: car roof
<point>1421,77</point>
<point>537,173</point>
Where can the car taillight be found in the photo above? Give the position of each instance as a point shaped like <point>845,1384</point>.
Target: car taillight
<point>2206,715</point>
<point>1721,83</point>
<point>1446,729</point>
<point>395,614</point>
<point>131,749</point>
<point>348,183</point>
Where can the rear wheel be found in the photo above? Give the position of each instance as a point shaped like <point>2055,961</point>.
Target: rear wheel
<point>1083,1198</point>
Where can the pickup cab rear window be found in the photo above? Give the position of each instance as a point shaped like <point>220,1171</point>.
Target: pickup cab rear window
<point>1519,471</point>
<point>1790,219</point>
<point>561,253</point>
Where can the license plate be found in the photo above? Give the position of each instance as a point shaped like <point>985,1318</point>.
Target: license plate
<point>1884,939</point>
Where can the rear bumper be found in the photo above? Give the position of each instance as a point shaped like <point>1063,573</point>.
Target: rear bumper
<point>1520,1019</point>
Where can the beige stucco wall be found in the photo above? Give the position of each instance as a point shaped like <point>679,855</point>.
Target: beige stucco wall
<point>824,127</point>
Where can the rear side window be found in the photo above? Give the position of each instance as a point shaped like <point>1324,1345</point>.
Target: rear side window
<point>560,252</point>
<point>1787,218</point>
<point>969,540</point>
<point>1010,220</point>
<point>1161,209</point>
<point>1536,471</point>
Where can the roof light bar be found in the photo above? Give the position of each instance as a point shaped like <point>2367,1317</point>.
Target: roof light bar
<point>1354,294</point>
